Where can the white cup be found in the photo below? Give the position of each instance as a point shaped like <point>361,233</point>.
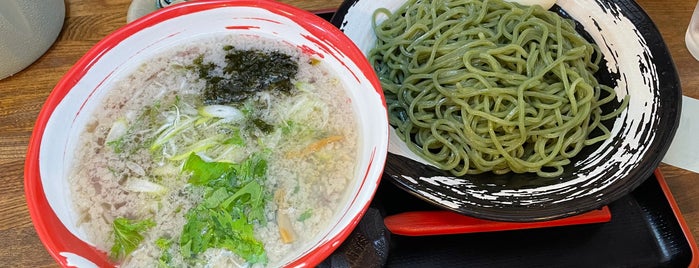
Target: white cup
<point>139,8</point>
<point>691,38</point>
<point>28,28</point>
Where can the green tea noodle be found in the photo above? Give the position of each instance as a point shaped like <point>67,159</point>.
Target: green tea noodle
<point>486,85</point>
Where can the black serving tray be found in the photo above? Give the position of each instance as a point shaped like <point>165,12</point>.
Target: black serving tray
<point>646,230</point>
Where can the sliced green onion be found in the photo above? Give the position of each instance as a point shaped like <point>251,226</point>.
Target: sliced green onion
<point>144,186</point>
<point>225,112</point>
<point>117,130</point>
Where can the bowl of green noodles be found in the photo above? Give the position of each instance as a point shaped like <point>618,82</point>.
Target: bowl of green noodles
<point>516,113</point>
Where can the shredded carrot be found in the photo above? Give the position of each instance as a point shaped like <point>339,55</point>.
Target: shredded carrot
<point>286,235</point>
<point>286,231</point>
<point>316,146</point>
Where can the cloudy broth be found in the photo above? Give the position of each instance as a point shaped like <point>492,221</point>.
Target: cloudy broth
<point>148,159</point>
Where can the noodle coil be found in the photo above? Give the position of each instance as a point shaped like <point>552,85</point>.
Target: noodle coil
<point>486,85</point>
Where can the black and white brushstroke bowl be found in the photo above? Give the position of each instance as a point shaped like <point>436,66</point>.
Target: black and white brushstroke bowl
<point>637,63</point>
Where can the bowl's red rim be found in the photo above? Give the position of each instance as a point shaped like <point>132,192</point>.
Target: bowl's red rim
<point>49,228</point>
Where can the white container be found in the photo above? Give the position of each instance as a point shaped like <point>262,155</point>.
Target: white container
<point>27,29</point>
<point>691,38</point>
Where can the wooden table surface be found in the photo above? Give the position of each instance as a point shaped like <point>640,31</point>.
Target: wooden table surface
<point>88,21</point>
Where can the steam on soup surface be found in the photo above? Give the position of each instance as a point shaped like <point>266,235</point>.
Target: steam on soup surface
<point>230,151</point>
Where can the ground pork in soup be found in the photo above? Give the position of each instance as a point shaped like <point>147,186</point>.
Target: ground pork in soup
<point>231,151</point>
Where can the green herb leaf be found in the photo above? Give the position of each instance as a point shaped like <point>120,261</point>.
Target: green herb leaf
<point>250,196</point>
<point>204,172</point>
<point>127,236</point>
<point>219,228</point>
<point>234,198</point>
<point>165,255</point>
<point>216,197</point>
<point>235,138</point>
<point>305,215</point>
<point>254,168</point>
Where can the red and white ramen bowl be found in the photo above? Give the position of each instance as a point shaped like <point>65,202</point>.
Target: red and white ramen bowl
<point>78,93</point>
